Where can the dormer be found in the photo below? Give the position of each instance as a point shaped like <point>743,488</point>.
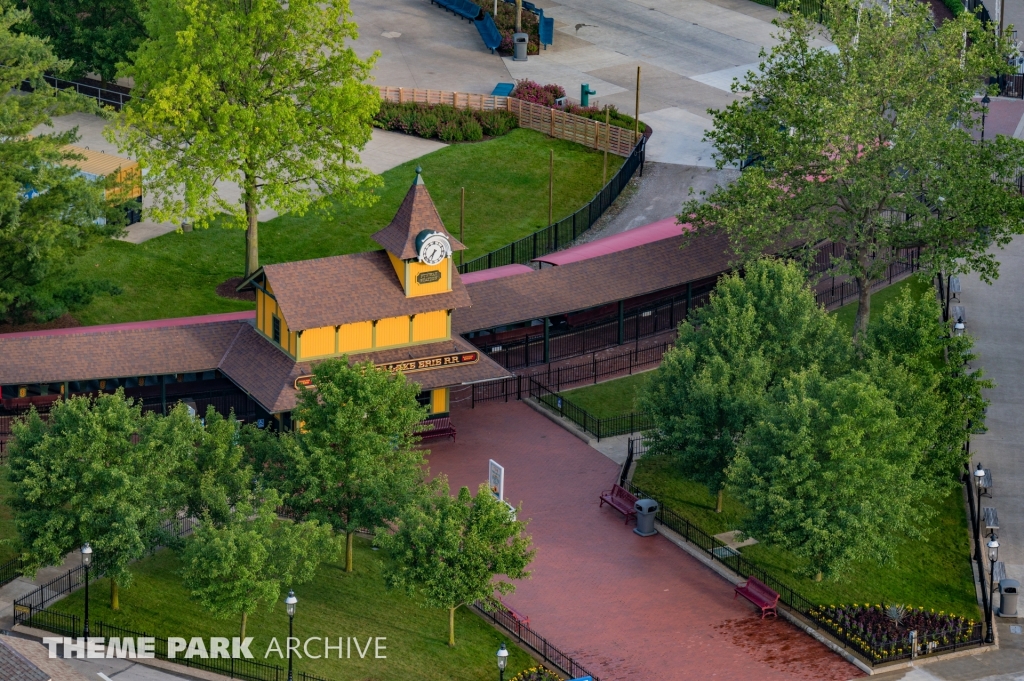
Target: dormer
<point>419,246</point>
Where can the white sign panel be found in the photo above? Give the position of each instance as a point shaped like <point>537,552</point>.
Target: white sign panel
<point>496,479</point>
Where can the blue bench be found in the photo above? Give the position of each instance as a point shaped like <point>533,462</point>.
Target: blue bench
<point>491,36</point>
<point>546,29</point>
<point>503,89</point>
<point>467,9</point>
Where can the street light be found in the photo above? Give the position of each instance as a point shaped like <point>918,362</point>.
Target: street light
<point>502,661</point>
<point>979,480</point>
<point>86,561</point>
<point>993,556</point>
<point>959,327</point>
<point>984,100</point>
<point>289,606</point>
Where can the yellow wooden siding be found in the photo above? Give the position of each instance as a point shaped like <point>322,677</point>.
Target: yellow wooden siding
<point>399,266</point>
<point>392,331</point>
<point>268,307</point>
<point>430,326</point>
<point>318,342</point>
<point>355,337</point>
<point>440,286</point>
<point>439,401</point>
<point>99,165</point>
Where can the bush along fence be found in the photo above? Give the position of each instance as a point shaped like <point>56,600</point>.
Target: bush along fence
<point>868,631</point>
<point>531,639</point>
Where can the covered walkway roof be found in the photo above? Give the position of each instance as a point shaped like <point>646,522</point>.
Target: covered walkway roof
<point>656,231</point>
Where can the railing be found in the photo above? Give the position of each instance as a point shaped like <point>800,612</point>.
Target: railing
<point>636,448</point>
<point>11,570</point>
<point>105,96</point>
<point>540,645</point>
<point>870,652</point>
<point>812,9</point>
<point>601,427</point>
<point>907,261</point>
<point>568,229</point>
<point>52,621</point>
<point>28,605</point>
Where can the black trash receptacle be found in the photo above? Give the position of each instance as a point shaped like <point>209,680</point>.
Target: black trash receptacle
<point>646,510</point>
<point>1008,589</point>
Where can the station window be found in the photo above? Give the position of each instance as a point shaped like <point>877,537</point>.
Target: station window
<point>276,329</point>
<point>424,398</point>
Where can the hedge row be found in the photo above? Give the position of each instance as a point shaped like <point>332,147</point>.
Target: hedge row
<point>444,122</point>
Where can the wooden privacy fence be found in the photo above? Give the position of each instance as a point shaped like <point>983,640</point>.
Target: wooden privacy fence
<point>553,122</point>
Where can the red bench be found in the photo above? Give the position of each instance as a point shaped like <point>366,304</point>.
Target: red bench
<point>518,618</point>
<point>434,428</point>
<point>760,595</point>
<point>621,500</point>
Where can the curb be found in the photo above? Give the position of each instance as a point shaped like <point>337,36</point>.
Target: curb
<point>532,403</point>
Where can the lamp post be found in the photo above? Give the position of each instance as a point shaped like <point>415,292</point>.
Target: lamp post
<point>289,606</point>
<point>502,661</point>
<point>86,561</point>
<point>979,479</point>
<point>984,100</point>
<point>959,327</point>
<point>993,556</point>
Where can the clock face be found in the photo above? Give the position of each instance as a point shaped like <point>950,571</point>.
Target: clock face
<point>434,248</point>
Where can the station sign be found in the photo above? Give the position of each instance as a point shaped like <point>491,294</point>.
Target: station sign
<point>410,366</point>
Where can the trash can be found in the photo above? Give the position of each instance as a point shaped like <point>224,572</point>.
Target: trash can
<point>645,509</point>
<point>520,42</point>
<point>1008,589</point>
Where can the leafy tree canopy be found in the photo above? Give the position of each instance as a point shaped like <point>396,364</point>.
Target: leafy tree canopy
<point>48,213</point>
<point>263,94</point>
<point>450,550</point>
<point>870,146</point>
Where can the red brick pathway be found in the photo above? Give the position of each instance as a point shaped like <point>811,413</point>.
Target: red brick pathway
<point>627,607</point>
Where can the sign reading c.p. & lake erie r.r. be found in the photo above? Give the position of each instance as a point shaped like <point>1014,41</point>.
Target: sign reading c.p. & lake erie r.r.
<point>409,366</point>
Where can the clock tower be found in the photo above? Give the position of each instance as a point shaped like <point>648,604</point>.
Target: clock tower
<point>419,246</point>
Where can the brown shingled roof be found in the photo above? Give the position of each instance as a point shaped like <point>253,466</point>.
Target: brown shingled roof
<point>269,375</point>
<point>589,283</point>
<point>416,214</point>
<point>350,288</point>
<point>116,353</point>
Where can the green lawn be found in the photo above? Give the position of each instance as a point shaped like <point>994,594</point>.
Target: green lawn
<point>935,573</point>
<point>847,314</point>
<point>336,605</point>
<point>506,181</point>
<point>610,398</point>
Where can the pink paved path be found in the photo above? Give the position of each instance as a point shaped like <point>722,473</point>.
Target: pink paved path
<point>626,607</point>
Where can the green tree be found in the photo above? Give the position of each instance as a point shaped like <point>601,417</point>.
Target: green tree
<point>79,477</point>
<point>830,471</point>
<point>353,464</point>
<point>757,329</point>
<point>95,35</point>
<point>48,214</point>
<point>264,94</point>
<point>233,567</point>
<point>451,549</point>
<point>869,147</point>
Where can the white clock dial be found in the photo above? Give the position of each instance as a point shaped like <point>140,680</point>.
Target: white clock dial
<point>434,248</point>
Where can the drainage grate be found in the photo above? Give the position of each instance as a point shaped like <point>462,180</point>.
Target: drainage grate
<point>724,552</point>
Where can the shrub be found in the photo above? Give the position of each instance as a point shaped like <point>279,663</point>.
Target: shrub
<point>536,674</point>
<point>531,91</point>
<point>425,125</point>
<point>471,130</point>
<point>497,123</point>
<point>449,131</point>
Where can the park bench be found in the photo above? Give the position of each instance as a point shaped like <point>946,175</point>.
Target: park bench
<point>503,89</point>
<point>466,9</point>
<point>986,483</point>
<point>517,617</point>
<point>435,428</point>
<point>492,39</point>
<point>546,29</point>
<point>954,288</point>
<point>998,574</point>
<point>758,593</point>
<point>991,518</point>
<point>621,500</point>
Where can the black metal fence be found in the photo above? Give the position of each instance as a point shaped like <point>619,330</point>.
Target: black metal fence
<point>565,231</point>
<point>531,639</point>
<point>11,570</point>
<point>26,607</point>
<point>812,9</point>
<point>111,95</point>
<point>601,427</point>
<point>872,653</point>
<point>906,261</point>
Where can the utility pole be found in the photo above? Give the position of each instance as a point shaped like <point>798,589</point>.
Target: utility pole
<point>607,143</point>
<point>551,188</point>
<point>462,222</point>
<point>636,121</point>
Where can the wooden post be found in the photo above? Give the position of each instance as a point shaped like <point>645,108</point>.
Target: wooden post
<point>636,121</point>
<point>551,188</point>
<point>462,222</point>
<point>607,143</point>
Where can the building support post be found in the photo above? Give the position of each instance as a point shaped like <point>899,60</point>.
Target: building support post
<point>163,396</point>
<point>622,322</point>
<point>689,298</point>
<point>547,341</point>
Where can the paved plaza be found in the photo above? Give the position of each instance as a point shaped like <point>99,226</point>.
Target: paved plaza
<point>626,607</point>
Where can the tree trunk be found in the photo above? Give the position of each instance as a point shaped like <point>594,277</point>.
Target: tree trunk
<point>348,550</point>
<point>451,627</point>
<point>115,603</point>
<point>252,251</point>
<point>245,616</point>
<point>860,326</point>
<point>817,577</point>
<point>519,16</point>
<point>718,504</point>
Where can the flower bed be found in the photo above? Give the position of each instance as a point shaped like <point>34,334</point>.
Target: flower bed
<point>506,23</point>
<point>881,632</point>
<point>444,122</point>
<point>536,674</point>
<point>545,95</point>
